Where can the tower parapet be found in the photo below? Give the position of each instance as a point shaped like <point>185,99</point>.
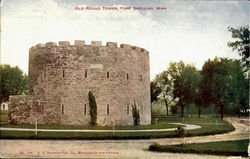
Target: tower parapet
<point>78,43</point>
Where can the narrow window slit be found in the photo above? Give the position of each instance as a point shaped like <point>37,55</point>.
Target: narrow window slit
<point>107,74</point>
<point>86,74</point>
<point>85,109</point>
<point>107,109</point>
<point>62,109</point>
<point>127,109</point>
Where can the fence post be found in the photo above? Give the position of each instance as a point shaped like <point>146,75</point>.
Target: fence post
<point>216,123</point>
<point>156,119</point>
<point>36,128</point>
<point>230,122</point>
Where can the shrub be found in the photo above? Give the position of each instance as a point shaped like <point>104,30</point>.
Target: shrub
<point>136,114</point>
<point>180,132</point>
<point>154,147</point>
<point>93,108</point>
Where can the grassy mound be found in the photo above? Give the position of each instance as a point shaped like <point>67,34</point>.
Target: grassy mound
<point>210,125</point>
<point>227,148</point>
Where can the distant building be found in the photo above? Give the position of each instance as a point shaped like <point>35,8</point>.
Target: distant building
<point>243,110</point>
<point>4,106</point>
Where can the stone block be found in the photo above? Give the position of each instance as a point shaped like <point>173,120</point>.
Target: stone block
<point>125,46</point>
<point>96,43</point>
<point>111,44</point>
<point>64,43</point>
<point>50,44</point>
<point>79,42</point>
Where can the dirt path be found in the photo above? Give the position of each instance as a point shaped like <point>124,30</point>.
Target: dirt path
<point>113,148</point>
<point>187,127</point>
<point>242,131</point>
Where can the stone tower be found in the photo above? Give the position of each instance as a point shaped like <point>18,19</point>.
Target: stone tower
<point>60,77</point>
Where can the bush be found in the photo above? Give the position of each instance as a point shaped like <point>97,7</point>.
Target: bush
<point>180,132</point>
<point>154,147</point>
<point>93,108</point>
<point>136,114</point>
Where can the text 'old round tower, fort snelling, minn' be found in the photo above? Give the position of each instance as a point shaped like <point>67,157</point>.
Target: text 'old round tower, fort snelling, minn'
<point>61,75</point>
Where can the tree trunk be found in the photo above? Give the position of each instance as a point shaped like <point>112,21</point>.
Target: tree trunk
<point>151,113</point>
<point>166,104</point>
<point>199,112</point>
<point>182,110</point>
<point>221,112</point>
<point>239,111</point>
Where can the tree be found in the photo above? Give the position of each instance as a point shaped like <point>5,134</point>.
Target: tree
<point>241,44</point>
<point>93,108</point>
<point>13,82</point>
<point>199,103</point>
<point>238,90</point>
<point>186,80</point>
<point>214,76</point>
<point>224,84</point>
<point>244,102</point>
<point>165,85</point>
<point>175,70</point>
<point>155,90</point>
<point>198,97</point>
<point>136,114</point>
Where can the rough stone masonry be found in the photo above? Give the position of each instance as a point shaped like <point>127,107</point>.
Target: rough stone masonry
<point>60,77</point>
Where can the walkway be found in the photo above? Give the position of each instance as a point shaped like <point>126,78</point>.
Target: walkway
<point>118,149</point>
<point>187,127</point>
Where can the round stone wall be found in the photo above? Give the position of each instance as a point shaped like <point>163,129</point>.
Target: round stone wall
<point>61,75</point>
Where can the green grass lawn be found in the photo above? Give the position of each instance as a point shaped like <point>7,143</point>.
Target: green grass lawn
<point>210,124</point>
<point>162,124</point>
<point>3,115</point>
<point>207,122</point>
<point>154,126</point>
<point>227,148</point>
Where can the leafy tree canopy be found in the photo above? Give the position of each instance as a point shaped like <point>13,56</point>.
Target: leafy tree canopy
<point>165,82</point>
<point>155,90</point>
<point>13,82</point>
<point>186,81</point>
<point>241,43</point>
<point>223,83</point>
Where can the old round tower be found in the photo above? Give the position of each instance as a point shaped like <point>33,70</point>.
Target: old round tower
<point>60,77</point>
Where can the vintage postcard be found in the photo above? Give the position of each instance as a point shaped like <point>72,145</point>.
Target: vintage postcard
<point>124,79</point>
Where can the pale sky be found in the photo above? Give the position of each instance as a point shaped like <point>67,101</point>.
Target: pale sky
<point>189,31</point>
